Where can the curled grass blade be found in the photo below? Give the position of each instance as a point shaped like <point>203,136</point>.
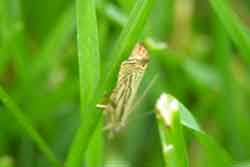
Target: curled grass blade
<point>171,133</point>
<point>217,155</point>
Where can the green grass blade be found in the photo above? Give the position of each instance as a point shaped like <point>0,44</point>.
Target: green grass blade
<point>88,50</point>
<point>6,161</point>
<point>229,102</point>
<point>115,14</point>
<point>202,73</point>
<point>242,164</point>
<point>6,34</point>
<point>112,12</point>
<point>170,128</point>
<point>89,71</point>
<point>94,153</point>
<point>19,44</point>
<point>199,72</point>
<point>126,41</point>
<point>5,57</point>
<point>27,126</point>
<point>234,28</point>
<point>129,35</point>
<point>218,157</point>
<point>53,44</point>
<point>187,119</point>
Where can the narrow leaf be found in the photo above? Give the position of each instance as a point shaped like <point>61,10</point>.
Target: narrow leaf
<point>27,126</point>
<point>89,72</point>
<point>214,152</point>
<point>234,28</point>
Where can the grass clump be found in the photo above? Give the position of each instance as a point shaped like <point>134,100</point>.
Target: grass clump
<point>55,66</point>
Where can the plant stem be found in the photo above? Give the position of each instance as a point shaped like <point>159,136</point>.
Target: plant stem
<point>27,125</point>
<point>171,133</point>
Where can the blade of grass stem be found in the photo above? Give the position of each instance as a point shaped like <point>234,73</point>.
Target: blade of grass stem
<point>113,13</point>
<point>94,153</point>
<point>234,28</point>
<point>5,57</point>
<point>6,34</point>
<point>217,157</point>
<point>19,45</point>
<point>215,153</point>
<point>239,137</point>
<point>27,126</point>
<point>241,164</point>
<point>26,153</point>
<point>89,71</point>
<point>170,129</point>
<point>199,72</point>
<point>53,44</point>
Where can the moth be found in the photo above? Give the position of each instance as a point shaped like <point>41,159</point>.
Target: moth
<point>120,102</point>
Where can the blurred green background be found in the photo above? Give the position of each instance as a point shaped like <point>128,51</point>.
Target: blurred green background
<point>204,63</point>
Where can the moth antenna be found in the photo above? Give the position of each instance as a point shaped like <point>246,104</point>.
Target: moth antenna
<point>140,99</point>
<point>141,116</point>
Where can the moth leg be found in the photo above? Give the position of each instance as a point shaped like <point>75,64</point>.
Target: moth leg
<point>103,103</point>
<point>105,106</point>
<point>108,127</point>
<point>110,130</point>
<point>101,106</point>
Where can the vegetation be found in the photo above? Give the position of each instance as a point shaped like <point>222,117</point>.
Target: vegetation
<point>59,58</point>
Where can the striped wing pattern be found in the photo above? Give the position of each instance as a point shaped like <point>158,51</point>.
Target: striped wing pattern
<point>122,98</point>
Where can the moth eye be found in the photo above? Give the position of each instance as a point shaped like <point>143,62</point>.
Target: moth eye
<point>144,64</point>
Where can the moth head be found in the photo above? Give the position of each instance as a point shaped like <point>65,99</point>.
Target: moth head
<point>140,54</point>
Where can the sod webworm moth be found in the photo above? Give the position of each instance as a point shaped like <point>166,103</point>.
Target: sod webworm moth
<point>123,95</point>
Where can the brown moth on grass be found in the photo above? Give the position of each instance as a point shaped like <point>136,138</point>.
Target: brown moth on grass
<point>122,98</point>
